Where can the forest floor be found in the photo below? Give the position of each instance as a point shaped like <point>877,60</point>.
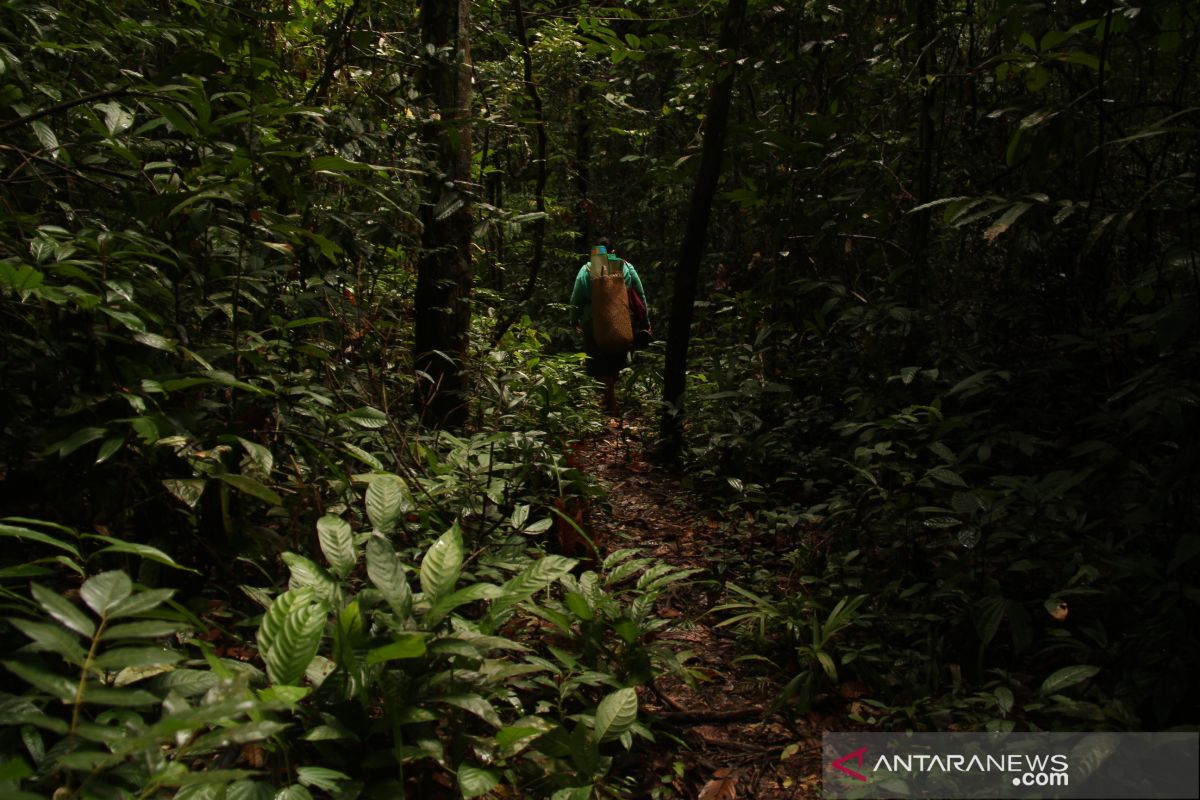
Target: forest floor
<point>717,741</point>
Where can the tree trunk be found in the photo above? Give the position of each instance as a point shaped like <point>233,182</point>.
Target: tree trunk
<point>691,251</point>
<point>583,158</point>
<point>443,313</point>
<point>539,192</point>
<point>926,65</point>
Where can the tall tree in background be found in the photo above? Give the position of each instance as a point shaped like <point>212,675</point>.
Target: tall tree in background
<point>443,313</point>
<point>687,271</point>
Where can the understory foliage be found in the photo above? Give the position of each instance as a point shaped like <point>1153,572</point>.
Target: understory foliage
<point>965,385</point>
<point>942,388</point>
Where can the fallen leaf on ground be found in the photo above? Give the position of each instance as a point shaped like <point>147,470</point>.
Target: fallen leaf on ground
<point>723,786</point>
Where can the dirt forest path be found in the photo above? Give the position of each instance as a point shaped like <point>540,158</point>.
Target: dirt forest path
<point>715,743</point>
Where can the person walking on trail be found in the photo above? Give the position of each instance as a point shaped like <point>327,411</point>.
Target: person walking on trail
<point>602,365</point>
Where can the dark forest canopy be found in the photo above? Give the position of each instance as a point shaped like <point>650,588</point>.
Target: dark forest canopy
<point>290,396</point>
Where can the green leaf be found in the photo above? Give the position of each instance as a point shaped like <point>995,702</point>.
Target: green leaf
<point>1004,699</point>
<point>47,138</point>
<point>988,616</point>
<point>290,634</point>
<point>141,550</point>
<point>140,603</point>
<point>104,591</point>
<point>339,164</point>
<point>386,571</point>
<point>1067,676</point>
<point>40,678</point>
<point>109,448</point>
<point>386,500</point>
<point>366,417</point>
<point>146,629</point>
<point>441,564</point>
<point>17,532</point>
<point>306,573</point>
<point>616,713</point>
<point>293,792</point>
<point>947,476</point>
<point>251,487</point>
<point>98,694</point>
<point>321,777</point>
<point>186,490</point>
<point>77,440</point>
<point>131,321</point>
<point>337,544</point>
<point>1006,221</point>
<point>537,576</point>
<point>476,782</point>
<point>63,610</point>
<point>124,657</point>
<point>249,790</point>
<point>472,703</point>
<point>52,638</point>
<point>408,645</point>
<point>447,603</point>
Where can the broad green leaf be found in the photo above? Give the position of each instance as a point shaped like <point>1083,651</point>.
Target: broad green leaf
<point>1004,699</point>
<point>109,449</point>
<point>141,550</point>
<point>98,694</point>
<point>1005,222</point>
<point>293,792</point>
<point>249,790</point>
<point>41,678</point>
<point>140,603</point>
<point>132,675</point>
<point>472,703</point>
<point>63,610</point>
<point>290,635</point>
<point>386,500</point>
<point>447,603</point>
<point>104,591</point>
<point>306,573</point>
<point>18,532</point>
<point>251,487</point>
<point>146,629</point>
<point>386,571</point>
<point>186,490</point>
<point>408,645</point>
<point>77,440</point>
<point>989,613</point>
<point>122,657</point>
<point>616,713</point>
<point>131,321</point>
<point>52,638</point>
<point>536,576</point>
<point>47,138</point>
<point>1067,676</point>
<point>337,544</point>
<point>339,164</point>
<point>321,777</point>
<point>947,476</point>
<point>441,564</point>
<point>259,458</point>
<point>366,417</point>
<point>476,782</point>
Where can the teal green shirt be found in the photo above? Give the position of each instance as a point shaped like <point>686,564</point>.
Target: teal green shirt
<point>581,294</point>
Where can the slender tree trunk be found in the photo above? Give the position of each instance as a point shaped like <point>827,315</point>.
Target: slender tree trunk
<point>695,238</point>
<point>583,158</point>
<point>539,193</point>
<point>443,313</point>
<point>926,65</point>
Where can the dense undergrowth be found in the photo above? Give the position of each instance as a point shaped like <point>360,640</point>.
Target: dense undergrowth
<point>960,470</point>
<point>985,539</point>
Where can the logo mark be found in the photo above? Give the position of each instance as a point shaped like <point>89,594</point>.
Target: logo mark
<point>856,756</point>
